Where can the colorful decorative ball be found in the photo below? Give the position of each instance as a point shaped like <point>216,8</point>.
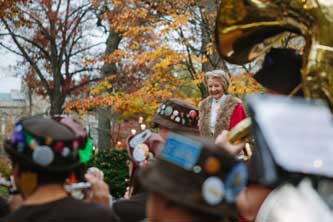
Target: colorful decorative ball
<point>212,165</point>
<point>197,169</point>
<point>18,128</point>
<point>58,147</point>
<point>168,110</point>
<point>193,114</point>
<point>65,152</point>
<point>75,144</point>
<point>17,137</point>
<point>48,140</point>
<point>175,112</point>
<point>213,190</point>
<point>235,182</point>
<point>43,155</point>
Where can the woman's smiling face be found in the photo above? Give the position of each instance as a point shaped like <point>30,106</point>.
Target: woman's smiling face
<point>215,87</point>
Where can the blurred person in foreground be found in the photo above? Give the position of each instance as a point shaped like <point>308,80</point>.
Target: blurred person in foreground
<point>292,198</point>
<point>192,180</point>
<point>45,152</point>
<point>142,150</point>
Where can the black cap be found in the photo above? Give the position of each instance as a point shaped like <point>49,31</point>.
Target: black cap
<point>281,71</point>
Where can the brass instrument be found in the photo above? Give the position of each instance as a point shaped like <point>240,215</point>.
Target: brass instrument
<point>246,29</point>
<point>240,134</point>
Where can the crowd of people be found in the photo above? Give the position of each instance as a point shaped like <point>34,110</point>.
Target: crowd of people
<point>184,169</point>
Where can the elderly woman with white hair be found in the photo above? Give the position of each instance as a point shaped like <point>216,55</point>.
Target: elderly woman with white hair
<point>219,111</point>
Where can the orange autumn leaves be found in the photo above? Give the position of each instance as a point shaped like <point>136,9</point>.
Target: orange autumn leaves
<point>146,99</point>
<point>144,94</point>
<point>244,84</point>
<point>152,62</point>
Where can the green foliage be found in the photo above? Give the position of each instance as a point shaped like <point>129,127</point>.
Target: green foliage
<point>5,166</point>
<point>113,162</point>
<point>4,192</point>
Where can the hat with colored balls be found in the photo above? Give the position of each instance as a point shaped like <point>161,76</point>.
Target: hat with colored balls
<point>197,175</point>
<point>56,144</point>
<point>177,115</point>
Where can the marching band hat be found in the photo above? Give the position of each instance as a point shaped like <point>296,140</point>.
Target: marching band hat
<point>178,116</point>
<point>57,144</point>
<point>197,175</point>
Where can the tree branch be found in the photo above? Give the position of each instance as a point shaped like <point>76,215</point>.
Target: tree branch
<point>38,23</point>
<point>27,57</point>
<point>47,55</point>
<point>78,21</point>
<point>69,91</point>
<point>85,49</point>
<point>190,62</point>
<point>82,70</point>
<point>11,50</point>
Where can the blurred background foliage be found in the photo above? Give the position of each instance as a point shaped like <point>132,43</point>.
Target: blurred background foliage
<point>113,162</point>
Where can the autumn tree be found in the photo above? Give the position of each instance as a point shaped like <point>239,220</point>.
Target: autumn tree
<point>54,38</point>
<point>8,9</point>
<point>104,113</point>
<point>165,48</point>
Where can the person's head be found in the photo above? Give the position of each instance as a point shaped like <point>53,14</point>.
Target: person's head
<point>177,116</point>
<point>217,82</point>
<point>46,150</point>
<point>281,72</point>
<point>192,178</point>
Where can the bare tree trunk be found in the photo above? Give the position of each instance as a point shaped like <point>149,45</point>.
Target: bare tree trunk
<point>104,120</point>
<point>208,36</point>
<point>57,101</point>
<point>30,101</point>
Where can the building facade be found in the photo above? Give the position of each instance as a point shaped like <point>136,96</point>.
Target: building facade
<point>12,107</point>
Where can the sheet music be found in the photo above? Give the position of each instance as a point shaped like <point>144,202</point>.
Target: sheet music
<point>299,133</point>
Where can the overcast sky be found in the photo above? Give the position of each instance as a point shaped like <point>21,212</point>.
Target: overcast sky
<point>9,83</point>
<point>8,63</point>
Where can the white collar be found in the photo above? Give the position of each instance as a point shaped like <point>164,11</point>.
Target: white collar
<point>220,100</point>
